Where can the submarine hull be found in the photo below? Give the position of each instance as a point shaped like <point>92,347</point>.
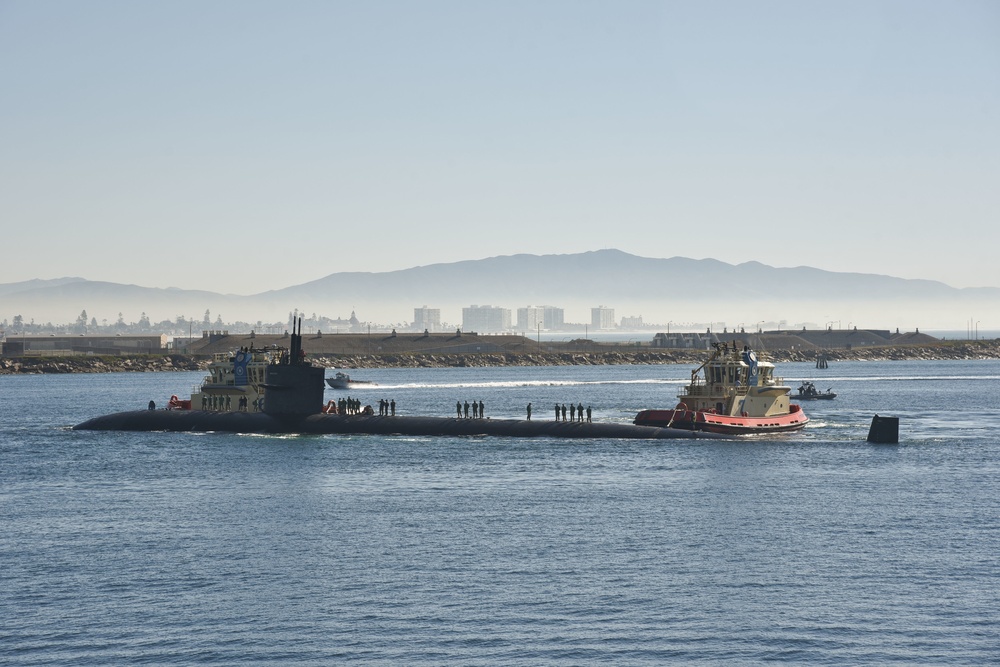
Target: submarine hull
<point>185,420</point>
<point>259,422</point>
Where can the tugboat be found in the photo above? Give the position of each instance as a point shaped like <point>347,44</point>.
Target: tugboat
<point>236,381</point>
<point>736,395</point>
<point>808,392</point>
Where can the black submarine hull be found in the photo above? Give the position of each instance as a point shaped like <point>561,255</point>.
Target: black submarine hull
<point>259,422</point>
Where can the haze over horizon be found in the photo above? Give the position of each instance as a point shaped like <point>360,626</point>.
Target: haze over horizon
<point>457,261</point>
<point>240,147</point>
<point>675,290</point>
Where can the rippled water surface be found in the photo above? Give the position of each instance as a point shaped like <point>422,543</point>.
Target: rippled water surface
<point>811,548</point>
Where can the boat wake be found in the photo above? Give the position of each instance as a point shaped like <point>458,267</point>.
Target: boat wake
<point>895,378</point>
<point>514,383</point>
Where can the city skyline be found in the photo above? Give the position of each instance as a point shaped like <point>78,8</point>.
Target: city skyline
<point>657,290</point>
<point>86,324</point>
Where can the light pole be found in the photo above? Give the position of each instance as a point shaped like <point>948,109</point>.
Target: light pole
<point>759,330</point>
<point>977,329</point>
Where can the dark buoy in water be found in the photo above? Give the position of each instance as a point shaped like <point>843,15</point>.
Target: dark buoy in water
<point>884,430</point>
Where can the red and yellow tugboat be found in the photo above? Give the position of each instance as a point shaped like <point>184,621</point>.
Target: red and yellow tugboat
<point>737,394</point>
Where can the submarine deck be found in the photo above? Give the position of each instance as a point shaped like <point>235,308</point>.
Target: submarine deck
<point>257,422</point>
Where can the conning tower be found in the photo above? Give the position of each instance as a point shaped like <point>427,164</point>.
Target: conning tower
<point>294,386</point>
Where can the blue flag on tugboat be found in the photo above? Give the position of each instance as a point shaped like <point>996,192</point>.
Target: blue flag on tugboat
<point>240,368</point>
<point>750,359</point>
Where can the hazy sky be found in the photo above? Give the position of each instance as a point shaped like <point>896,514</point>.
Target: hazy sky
<point>245,146</point>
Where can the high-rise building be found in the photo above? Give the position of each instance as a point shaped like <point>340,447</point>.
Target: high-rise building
<point>427,319</point>
<point>602,318</point>
<point>553,319</point>
<point>530,318</point>
<point>485,319</point>
<point>535,317</point>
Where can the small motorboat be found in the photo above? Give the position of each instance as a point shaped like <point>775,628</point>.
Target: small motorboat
<point>808,392</point>
<point>344,381</point>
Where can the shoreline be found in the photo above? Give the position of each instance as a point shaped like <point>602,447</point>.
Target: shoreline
<point>157,363</point>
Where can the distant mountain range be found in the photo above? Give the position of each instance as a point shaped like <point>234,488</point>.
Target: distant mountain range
<point>675,290</point>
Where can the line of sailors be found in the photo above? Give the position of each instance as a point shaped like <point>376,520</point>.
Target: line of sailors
<point>216,403</point>
<point>576,412</point>
<point>352,406</point>
<point>478,410</point>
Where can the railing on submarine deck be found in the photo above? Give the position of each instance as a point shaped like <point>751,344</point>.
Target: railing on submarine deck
<point>698,387</point>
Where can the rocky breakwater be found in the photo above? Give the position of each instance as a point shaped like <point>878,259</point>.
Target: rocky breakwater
<point>99,364</point>
<point>597,358</point>
<point>964,350</point>
<point>954,350</point>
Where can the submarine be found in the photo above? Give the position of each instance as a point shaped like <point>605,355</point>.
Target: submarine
<point>277,391</point>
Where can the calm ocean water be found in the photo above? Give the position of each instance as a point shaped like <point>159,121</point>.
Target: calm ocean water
<point>814,548</point>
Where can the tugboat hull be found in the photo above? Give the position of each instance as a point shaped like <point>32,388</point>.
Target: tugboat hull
<point>709,422</point>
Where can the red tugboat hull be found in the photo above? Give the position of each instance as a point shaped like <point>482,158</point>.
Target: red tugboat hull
<point>697,420</point>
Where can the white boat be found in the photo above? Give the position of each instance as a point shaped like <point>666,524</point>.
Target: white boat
<point>344,381</point>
